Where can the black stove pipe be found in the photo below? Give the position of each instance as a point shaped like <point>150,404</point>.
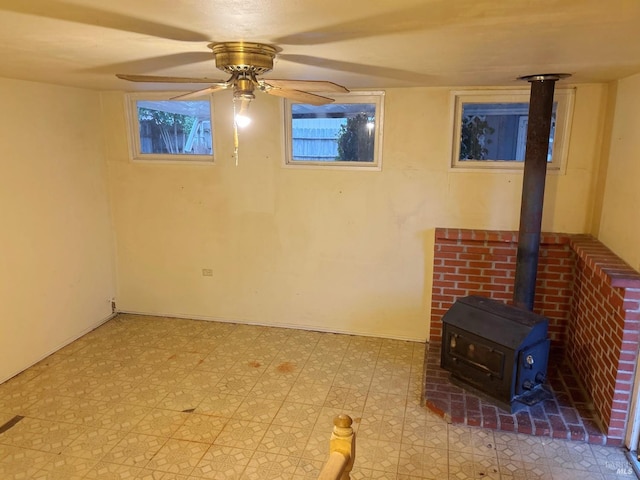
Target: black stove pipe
<point>535,171</point>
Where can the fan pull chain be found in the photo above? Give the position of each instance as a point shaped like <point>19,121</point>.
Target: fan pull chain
<point>235,142</point>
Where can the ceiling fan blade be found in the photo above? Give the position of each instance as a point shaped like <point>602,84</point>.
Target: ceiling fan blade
<point>298,96</point>
<point>150,64</point>
<point>204,91</point>
<point>358,68</point>
<point>158,79</point>
<point>420,16</point>
<point>307,85</point>
<point>71,12</point>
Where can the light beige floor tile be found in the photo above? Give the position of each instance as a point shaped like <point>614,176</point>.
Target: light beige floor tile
<point>242,434</point>
<point>16,400</point>
<point>134,450</point>
<point>421,433</point>
<point>41,435</point>
<point>611,461</point>
<point>79,386</point>
<point>102,368</point>
<point>308,393</point>
<point>423,462</point>
<point>379,403</point>
<point>461,466</point>
<point>460,438</point>
<point>570,474</point>
<point>122,417</point>
<point>153,357</point>
<point>52,408</point>
<point>258,409</point>
<point>134,373</point>
<point>285,440</point>
<point>145,394</point>
<point>86,411</point>
<point>236,385</point>
<point>111,389</point>
<point>201,380</point>
<point>200,428</point>
<point>23,463</point>
<point>314,374</point>
<point>286,367</point>
<point>379,455</point>
<point>65,468</point>
<point>398,384</point>
<point>360,380</point>
<point>251,365</point>
<point>178,456</point>
<point>113,471</point>
<point>272,387</point>
<point>297,414</point>
<point>221,463</point>
<point>263,402</point>
<point>380,427</point>
<point>220,404</point>
<point>185,360</point>
<point>161,423</point>
<point>351,399</point>
<point>94,443</point>
<point>270,466</point>
<point>182,400</point>
<point>167,376</point>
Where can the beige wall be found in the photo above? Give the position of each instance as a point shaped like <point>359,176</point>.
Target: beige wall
<point>337,250</point>
<point>55,237</point>
<point>620,221</point>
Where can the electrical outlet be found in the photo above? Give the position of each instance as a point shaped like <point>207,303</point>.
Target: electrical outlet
<point>207,272</point>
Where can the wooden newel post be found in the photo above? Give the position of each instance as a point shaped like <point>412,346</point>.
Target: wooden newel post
<point>342,450</point>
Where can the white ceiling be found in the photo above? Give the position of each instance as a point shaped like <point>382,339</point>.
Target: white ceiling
<point>356,43</point>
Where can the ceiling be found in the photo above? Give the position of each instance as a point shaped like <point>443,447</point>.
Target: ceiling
<point>356,43</point>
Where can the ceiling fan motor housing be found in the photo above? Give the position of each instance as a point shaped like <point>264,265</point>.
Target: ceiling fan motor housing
<point>231,57</point>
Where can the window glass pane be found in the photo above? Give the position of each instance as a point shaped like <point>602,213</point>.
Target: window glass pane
<point>174,127</point>
<point>338,132</point>
<point>497,131</point>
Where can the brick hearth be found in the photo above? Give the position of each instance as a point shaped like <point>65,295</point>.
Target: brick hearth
<point>568,415</point>
<point>592,300</point>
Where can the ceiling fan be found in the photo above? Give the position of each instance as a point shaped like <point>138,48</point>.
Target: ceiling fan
<point>246,61</point>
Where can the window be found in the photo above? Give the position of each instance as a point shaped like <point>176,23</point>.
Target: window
<point>490,128</point>
<point>345,134</point>
<point>169,130</point>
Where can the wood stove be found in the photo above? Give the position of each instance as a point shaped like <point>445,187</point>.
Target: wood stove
<point>498,350</point>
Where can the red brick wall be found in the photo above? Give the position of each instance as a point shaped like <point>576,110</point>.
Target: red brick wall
<point>479,262</point>
<point>604,321</point>
<point>582,287</point>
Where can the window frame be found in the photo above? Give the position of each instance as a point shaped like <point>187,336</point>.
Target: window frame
<point>564,115</point>
<point>375,97</point>
<point>133,132</point>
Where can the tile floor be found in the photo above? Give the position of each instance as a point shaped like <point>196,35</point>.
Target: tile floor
<point>167,399</point>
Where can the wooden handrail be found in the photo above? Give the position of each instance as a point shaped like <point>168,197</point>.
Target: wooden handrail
<point>342,450</point>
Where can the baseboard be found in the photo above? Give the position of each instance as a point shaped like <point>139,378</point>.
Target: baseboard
<point>308,328</point>
<point>93,326</point>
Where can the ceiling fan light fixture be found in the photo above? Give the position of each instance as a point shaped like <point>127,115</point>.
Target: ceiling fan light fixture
<point>242,121</point>
<point>240,109</point>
